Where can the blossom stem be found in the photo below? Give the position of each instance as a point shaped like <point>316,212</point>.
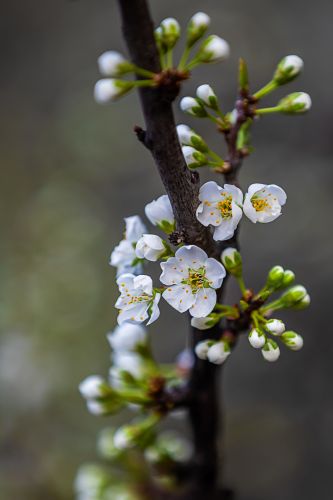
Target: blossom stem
<point>144,83</point>
<point>266,111</point>
<point>169,58</point>
<point>143,72</point>
<point>241,284</point>
<point>184,57</point>
<point>267,89</point>
<point>272,306</point>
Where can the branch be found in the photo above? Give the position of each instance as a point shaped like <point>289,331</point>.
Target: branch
<point>181,184</point>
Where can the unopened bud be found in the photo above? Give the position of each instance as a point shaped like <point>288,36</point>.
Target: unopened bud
<point>213,49</point>
<point>292,340</point>
<point>303,304</point>
<point>218,352</point>
<point>201,349</point>
<point>271,351</point>
<point>275,326</point>
<point>208,96</point>
<point>187,137</point>
<point>109,89</point>
<point>288,278</point>
<point>112,63</point>
<point>193,107</point>
<point>275,277</point>
<point>293,296</point>
<point>257,338</point>
<point>232,261</point>
<point>193,157</point>
<point>93,387</point>
<point>105,444</point>
<point>288,69</point>
<point>297,102</point>
<point>92,479</point>
<point>205,323</point>
<point>170,32</point>
<point>197,27</point>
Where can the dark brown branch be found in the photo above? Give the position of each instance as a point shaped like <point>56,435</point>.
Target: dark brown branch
<point>160,137</point>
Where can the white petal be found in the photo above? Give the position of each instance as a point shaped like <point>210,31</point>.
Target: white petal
<point>224,231</point>
<point>208,215</point>
<point>210,191</point>
<point>237,195</point>
<point>179,297</point>
<point>125,281</point>
<point>134,228</point>
<point>159,210</point>
<point>215,272</point>
<point>173,271</point>
<point>126,337</point>
<point>143,282</point>
<point>191,256</point>
<point>249,209</point>
<point>237,214</point>
<point>123,254</point>
<point>205,301</point>
<point>254,188</point>
<point>153,241</point>
<point>155,311</point>
<point>136,314</point>
<point>278,192</point>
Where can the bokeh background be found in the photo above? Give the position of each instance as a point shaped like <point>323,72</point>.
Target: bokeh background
<point>71,170</point>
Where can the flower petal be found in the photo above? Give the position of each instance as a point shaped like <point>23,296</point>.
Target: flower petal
<point>191,256</point>
<point>278,192</point>
<point>136,314</point>
<point>208,214</point>
<point>179,297</point>
<point>224,231</point>
<point>125,281</point>
<point>155,311</point>
<point>134,228</point>
<point>210,191</point>
<point>215,272</point>
<point>254,188</point>
<point>236,193</point>
<point>173,272</point>
<point>249,209</point>
<point>205,300</point>
<point>143,282</point>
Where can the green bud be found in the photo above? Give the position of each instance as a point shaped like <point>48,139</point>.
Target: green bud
<point>303,304</point>
<point>288,69</point>
<point>293,296</point>
<point>292,340</point>
<point>170,32</point>
<point>297,102</point>
<point>275,277</point>
<point>196,28</point>
<point>105,444</point>
<point>232,261</point>
<point>288,278</point>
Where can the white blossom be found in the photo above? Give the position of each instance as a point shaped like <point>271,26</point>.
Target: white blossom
<point>127,337</point>
<point>201,349</point>
<point>191,278</point>
<point>275,326</point>
<point>123,257</point>
<point>160,213</point>
<point>271,351</point>
<point>170,31</point>
<point>213,49</point>
<point>109,89</point>
<point>207,95</point>
<point>92,387</point>
<point>218,352</point>
<point>221,208</point>
<point>263,202</point>
<point>112,63</point>
<point>256,338</point>
<point>150,247</point>
<point>138,301</point>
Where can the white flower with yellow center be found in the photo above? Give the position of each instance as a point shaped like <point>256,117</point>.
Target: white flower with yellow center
<point>221,208</point>
<point>138,301</point>
<point>123,257</point>
<point>263,202</point>
<point>192,277</point>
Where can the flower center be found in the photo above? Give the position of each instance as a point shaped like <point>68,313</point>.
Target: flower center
<point>138,299</point>
<point>260,204</point>
<point>196,279</point>
<point>225,207</point>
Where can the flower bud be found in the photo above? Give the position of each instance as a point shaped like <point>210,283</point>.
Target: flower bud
<point>130,435</point>
<point>297,102</point>
<point>112,63</point>
<point>205,323</point>
<point>192,107</point>
<point>288,278</point>
<point>303,304</point>
<point>288,69</point>
<point>218,352</point>
<point>257,338</point>
<point>170,32</point>
<point>271,351</point>
<point>208,96</point>
<point>197,27</point>
<point>105,444</point>
<point>275,277</point>
<point>90,479</point>
<point>127,337</point>
<point>150,247</point>
<point>275,326</point>
<point>292,340</point>
<point>213,49</point>
<point>169,446</point>
<point>187,137</point>
<point>193,157</point>
<point>98,408</point>
<point>201,349</point>
<point>160,214</point>
<point>292,296</point>
<point>109,89</point>
<point>232,261</point>
<point>93,387</point>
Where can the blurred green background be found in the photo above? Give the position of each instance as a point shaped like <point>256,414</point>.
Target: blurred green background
<point>71,170</point>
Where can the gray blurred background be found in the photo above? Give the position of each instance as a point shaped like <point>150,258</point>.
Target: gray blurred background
<point>71,170</point>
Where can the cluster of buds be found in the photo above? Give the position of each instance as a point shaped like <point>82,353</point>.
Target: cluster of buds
<point>215,351</point>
